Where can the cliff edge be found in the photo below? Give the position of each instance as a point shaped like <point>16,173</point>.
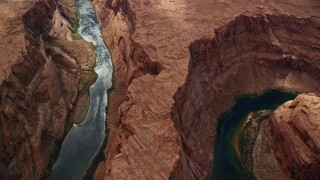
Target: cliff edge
<point>293,133</point>
<point>150,137</point>
<point>45,69</point>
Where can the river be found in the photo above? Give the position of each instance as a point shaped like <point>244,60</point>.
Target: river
<point>227,162</point>
<point>83,141</point>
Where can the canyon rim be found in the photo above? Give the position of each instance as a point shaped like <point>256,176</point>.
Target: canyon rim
<point>178,66</point>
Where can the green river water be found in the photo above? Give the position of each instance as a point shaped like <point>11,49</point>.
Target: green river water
<point>227,162</point>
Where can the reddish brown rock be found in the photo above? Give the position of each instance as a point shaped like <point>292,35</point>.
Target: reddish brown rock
<point>247,56</point>
<point>295,137</point>
<point>143,142</point>
<point>42,63</point>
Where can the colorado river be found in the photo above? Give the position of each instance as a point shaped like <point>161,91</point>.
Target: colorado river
<point>84,140</point>
<point>227,163</point>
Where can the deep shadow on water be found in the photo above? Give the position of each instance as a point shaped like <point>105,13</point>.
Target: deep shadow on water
<point>227,163</point>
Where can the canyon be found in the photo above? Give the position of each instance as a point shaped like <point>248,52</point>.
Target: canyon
<point>241,150</point>
<point>46,70</point>
<point>222,71</point>
<point>178,66</point>
<point>163,109</point>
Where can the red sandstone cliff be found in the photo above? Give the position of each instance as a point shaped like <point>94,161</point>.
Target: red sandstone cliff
<point>44,65</point>
<point>248,55</point>
<point>294,135</point>
<point>41,80</point>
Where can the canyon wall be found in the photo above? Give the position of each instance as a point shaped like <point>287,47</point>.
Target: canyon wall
<point>294,135</point>
<point>247,56</point>
<point>45,69</point>
<point>149,43</point>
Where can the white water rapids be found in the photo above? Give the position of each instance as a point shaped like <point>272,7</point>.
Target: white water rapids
<point>84,140</point>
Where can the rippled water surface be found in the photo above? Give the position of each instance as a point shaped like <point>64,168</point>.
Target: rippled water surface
<point>84,141</point>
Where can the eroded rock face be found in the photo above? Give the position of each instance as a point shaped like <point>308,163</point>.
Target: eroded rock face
<point>143,142</point>
<point>294,135</point>
<point>39,87</point>
<point>247,56</point>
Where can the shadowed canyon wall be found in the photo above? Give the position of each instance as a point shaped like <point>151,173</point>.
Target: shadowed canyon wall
<point>172,79</point>
<point>248,56</point>
<point>45,69</point>
<point>150,137</point>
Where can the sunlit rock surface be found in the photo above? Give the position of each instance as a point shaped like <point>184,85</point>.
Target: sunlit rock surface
<point>145,141</point>
<point>273,44</point>
<point>293,131</point>
<point>44,67</point>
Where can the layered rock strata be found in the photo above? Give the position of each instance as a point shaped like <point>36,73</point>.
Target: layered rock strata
<point>294,135</point>
<point>44,65</point>
<point>248,56</point>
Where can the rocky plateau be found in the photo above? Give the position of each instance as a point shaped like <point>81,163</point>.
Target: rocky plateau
<point>178,65</point>
<point>173,80</point>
